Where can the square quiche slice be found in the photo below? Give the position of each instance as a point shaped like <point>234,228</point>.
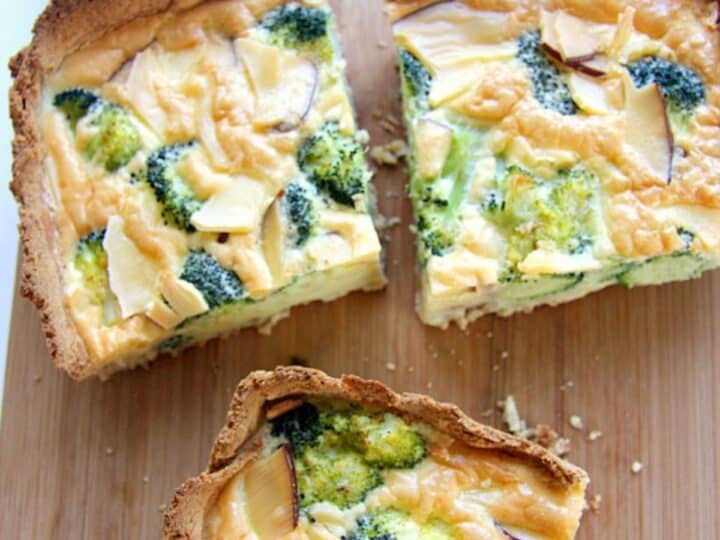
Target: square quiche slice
<point>184,172</point>
<point>558,148</point>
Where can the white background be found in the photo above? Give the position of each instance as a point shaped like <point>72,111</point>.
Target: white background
<point>15,25</point>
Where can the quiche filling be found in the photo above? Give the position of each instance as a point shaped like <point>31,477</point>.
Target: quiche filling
<point>558,148</point>
<point>329,470</point>
<point>207,174</point>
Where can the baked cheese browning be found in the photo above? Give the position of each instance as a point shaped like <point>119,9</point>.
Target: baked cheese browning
<point>360,474</point>
<point>207,174</point>
<point>557,148</point>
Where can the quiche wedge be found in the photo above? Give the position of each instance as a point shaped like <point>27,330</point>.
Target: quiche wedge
<point>185,169</point>
<point>558,147</point>
<point>306,456</point>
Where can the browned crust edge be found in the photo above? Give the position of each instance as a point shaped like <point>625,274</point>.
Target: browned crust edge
<point>184,518</point>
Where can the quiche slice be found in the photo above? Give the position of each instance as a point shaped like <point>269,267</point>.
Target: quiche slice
<point>306,456</point>
<point>185,169</point>
<point>558,147</point>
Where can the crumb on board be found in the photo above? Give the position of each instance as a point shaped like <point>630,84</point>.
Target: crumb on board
<point>109,451</point>
<point>389,154</point>
<point>37,378</point>
<point>595,502</point>
<point>541,434</point>
<point>594,435</point>
<point>511,416</point>
<point>146,479</point>
<point>504,355</point>
<point>566,385</point>
<point>637,467</point>
<point>391,366</point>
<point>576,422</point>
<point>162,508</point>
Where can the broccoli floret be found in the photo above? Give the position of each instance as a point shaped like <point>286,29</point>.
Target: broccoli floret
<point>334,474</point>
<point>392,524</point>
<point>384,440</point>
<point>335,163</point>
<point>177,198</point>
<point>75,104</point>
<point>437,203</point>
<point>417,80</point>
<point>219,286</point>
<point>558,211</point>
<point>681,87</point>
<point>339,454</point>
<point>300,211</point>
<point>300,426</point>
<point>92,263</point>
<point>116,139</point>
<point>548,86</point>
<point>299,27</point>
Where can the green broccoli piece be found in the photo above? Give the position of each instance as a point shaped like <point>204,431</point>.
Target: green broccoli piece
<point>219,286</point>
<point>559,211</point>
<point>75,104</point>
<point>300,426</point>
<point>300,211</point>
<point>298,27</point>
<point>92,262</point>
<point>332,473</point>
<point>339,454</point>
<point>437,203</point>
<point>335,163</point>
<point>116,139</point>
<point>392,524</point>
<point>416,79</point>
<point>681,87</point>
<point>177,198</point>
<point>548,86</point>
<point>385,441</point>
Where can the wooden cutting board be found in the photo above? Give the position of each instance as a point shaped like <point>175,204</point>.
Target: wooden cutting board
<point>97,460</point>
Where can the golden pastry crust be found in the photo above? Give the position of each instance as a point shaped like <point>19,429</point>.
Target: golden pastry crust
<point>184,518</point>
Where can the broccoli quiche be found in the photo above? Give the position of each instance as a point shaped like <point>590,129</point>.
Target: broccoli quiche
<point>558,147</point>
<point>307,456</point>
<point>185,169</point>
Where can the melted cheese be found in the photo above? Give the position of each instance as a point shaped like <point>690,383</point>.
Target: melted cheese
<point>479,81</point>
<point>206,75</point>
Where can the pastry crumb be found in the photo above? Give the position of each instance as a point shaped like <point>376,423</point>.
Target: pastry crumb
<point>637,467</point>
<point>389,154</point>
<point>576,422</point>
<point>511,416</point>
<point>595,502</point>
<point>391,366</point>
<point>594,435</point>
<point>504,355</point>
<point>489,335</point>
<point>162,508</point>
<point>146,479</point>
<point>496,367</point>
<point>109,451</point>
<point>37,378</point>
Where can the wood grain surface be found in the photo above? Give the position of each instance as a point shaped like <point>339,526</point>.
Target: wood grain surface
<point>97,460</point>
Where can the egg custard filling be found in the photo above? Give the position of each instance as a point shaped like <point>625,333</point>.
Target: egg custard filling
<point>558,148</point>
<point>207,174</point>
<point>331,470</point>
